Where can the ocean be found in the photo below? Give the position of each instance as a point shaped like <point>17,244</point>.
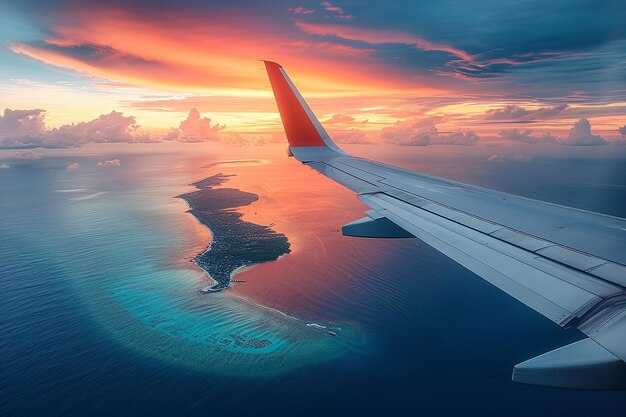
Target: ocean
<point>101,313</point>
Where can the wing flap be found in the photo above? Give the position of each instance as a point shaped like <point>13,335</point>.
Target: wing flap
<point>567,264</point>
<point>514,270</point>
<point>544,228</point>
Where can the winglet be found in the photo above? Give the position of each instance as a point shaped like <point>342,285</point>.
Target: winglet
<point>304,132</point>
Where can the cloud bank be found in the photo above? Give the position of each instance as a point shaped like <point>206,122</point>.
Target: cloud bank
<point>517,113</point>
<point>27,129</point>
<point>526,136</point>
<point>423,132</point>
<point>24,129</point>
<point>579,135</point>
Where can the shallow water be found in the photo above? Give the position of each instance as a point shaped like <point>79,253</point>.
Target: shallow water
<point>100,310</point>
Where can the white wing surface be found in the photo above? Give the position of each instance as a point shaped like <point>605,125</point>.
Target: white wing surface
<point>567,264</point>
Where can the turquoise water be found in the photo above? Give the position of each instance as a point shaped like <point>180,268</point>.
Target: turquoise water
<point>100,311</point>
<point>113,241</point>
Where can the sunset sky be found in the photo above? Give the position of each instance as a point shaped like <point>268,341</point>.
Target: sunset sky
<point>399,73</point>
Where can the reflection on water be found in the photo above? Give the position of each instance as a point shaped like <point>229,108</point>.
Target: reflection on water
<point>120,239</point>
<point>99,300</point>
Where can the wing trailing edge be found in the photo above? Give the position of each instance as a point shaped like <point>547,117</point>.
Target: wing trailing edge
<point>567,264</point>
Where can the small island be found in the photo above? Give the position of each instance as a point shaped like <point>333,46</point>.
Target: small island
<point>235,243</point>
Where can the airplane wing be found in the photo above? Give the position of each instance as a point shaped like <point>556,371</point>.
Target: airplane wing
<point>565,263</point>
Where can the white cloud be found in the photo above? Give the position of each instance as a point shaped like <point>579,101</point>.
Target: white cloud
<point>336,9</point>
<point>73,166</point>
<point>111,127</point>
<point>580,135</point>
<point>423,131</point>
<point>26,128</point>
<point>194,128</point>
<point>5,166</point>
<point>22,124</point>
<point>301,10</point>
<point>110,163</point>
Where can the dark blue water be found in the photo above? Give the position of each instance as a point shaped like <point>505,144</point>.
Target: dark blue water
<point>99,313</point>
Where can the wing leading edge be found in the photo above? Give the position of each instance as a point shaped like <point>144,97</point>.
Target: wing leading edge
<point>567,264</point>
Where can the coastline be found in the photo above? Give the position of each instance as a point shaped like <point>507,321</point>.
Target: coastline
<point>236,245</point>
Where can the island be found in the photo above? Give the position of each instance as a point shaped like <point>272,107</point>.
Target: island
<point>235,243</point>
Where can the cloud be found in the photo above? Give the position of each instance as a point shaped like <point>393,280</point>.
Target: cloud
<point>339,118</point>
<point>107,62</point>
<point>527,136</point>
<point>514,112</point>
<point>351,136</point>
<point>27,154</point>
<point>423,131</point>
<point>301,10</point>
<point>111,127</point>
<point>194,128</point>
<point>327,6</point>
<point>522,158</point>
<point>622,130</point>
<point>26,129</point>
<point>379,37</point>
<point>496,158</point>
<point>236,139</point>
<point>576,46</point>
<point>110,163</point>
<point>580,135</point>
<point>5,166</point>
<point>22,124</point>
<point>73,166</point>
<point>465,138</point>
<point>410,132</point>
<point>335,9</point>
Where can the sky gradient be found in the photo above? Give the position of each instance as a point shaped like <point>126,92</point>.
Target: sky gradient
<point>402,73</point>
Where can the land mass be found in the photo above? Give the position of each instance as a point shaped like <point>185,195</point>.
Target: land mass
<point>235,243</point>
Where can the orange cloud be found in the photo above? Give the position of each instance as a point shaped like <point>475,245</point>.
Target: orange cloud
<point>184,52</point>
<point>376,37</point>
